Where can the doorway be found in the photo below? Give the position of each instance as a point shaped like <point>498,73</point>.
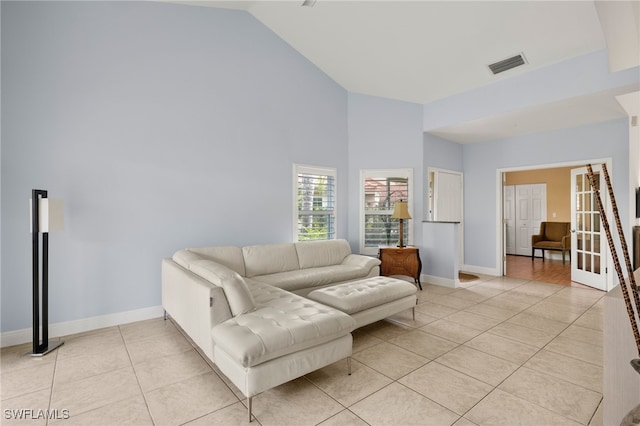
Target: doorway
<point>550,271</point>
<point>561,207</point>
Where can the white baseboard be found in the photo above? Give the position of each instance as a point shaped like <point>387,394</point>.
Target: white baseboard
<point>24,335</point>
<point>480,270</point>
<point>444,282</point>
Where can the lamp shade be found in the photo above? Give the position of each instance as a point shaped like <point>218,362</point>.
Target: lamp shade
<point>51,215</point>
<point>400,211</point>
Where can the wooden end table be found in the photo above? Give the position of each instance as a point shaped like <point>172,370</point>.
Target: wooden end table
<point>400,261</point>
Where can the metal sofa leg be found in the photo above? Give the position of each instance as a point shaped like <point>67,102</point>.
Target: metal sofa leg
<point>349,364</point>
<point>249,400</point>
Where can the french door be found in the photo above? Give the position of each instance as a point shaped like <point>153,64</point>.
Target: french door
<point>588,245</point>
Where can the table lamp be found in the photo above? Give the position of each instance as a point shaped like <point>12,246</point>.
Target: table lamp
<point>400,211</point>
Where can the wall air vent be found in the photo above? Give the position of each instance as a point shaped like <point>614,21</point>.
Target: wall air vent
<point>507,64</point>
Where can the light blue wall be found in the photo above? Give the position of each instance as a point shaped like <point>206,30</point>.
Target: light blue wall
<point>384,134</point>
<point>441,153</point>
<point>161,126</point>
<point>440,250</point>
<point>481,161</point>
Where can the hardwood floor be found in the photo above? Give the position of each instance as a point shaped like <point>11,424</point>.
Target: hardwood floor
<point>549,271</point>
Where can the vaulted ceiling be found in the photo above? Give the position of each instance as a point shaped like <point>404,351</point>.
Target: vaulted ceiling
<point>423,50</point>
<point>419,51</point>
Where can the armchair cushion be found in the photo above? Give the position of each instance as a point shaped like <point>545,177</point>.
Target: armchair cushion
<point>553,235</point>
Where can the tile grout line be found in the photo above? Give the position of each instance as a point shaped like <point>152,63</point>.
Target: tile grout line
<point>144,396</point>
<point>528,359</point>
<point>347,408</point>
<point>211,365</point>
<point>53,379</point>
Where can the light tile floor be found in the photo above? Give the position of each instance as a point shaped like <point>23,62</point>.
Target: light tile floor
<point>499,351</point>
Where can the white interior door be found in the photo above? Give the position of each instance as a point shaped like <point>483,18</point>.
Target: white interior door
<point>588,248</point>
<point>448,197</point>
<point>510,219</point>
<point>538,209</point>
<point>523,215</point>
<point>531,209</point>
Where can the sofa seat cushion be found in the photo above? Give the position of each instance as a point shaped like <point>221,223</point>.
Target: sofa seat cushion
<point>313,277</point>
<point>281,324</point>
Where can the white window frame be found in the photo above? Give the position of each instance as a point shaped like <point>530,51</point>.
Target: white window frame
<point>316,170</point>
<point>385,173</point>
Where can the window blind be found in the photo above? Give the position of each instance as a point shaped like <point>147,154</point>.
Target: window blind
<point>315,204</point>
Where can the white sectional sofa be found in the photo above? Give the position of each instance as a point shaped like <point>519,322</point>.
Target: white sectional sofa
<point>200,286</point>
<point>244,307</point>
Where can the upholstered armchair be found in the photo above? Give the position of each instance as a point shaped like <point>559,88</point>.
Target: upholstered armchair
<point>553,236</point>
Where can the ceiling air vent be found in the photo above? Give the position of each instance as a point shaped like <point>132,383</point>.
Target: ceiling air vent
<point>507,64</point>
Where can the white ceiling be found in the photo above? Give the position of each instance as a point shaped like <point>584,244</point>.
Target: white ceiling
<point>423,50</point>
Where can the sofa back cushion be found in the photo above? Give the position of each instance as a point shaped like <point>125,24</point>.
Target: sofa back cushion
<point>314,254</point>
<point>269,259</point>
<point>229,256</point>
<point>235,288</point>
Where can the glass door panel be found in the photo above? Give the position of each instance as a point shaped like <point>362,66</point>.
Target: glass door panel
<point>586,244</point>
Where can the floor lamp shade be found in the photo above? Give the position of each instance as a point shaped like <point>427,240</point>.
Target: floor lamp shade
<point>50,215</point>
<point>46,215</point>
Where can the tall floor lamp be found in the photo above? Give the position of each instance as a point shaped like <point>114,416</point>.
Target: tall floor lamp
<point>401,212</point>
<point>46,216</point>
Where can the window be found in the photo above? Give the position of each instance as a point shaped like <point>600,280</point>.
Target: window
<point>315,203</point>
<point>380,190</point>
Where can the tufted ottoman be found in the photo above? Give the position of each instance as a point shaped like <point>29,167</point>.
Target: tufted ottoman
<point>370,299</point>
